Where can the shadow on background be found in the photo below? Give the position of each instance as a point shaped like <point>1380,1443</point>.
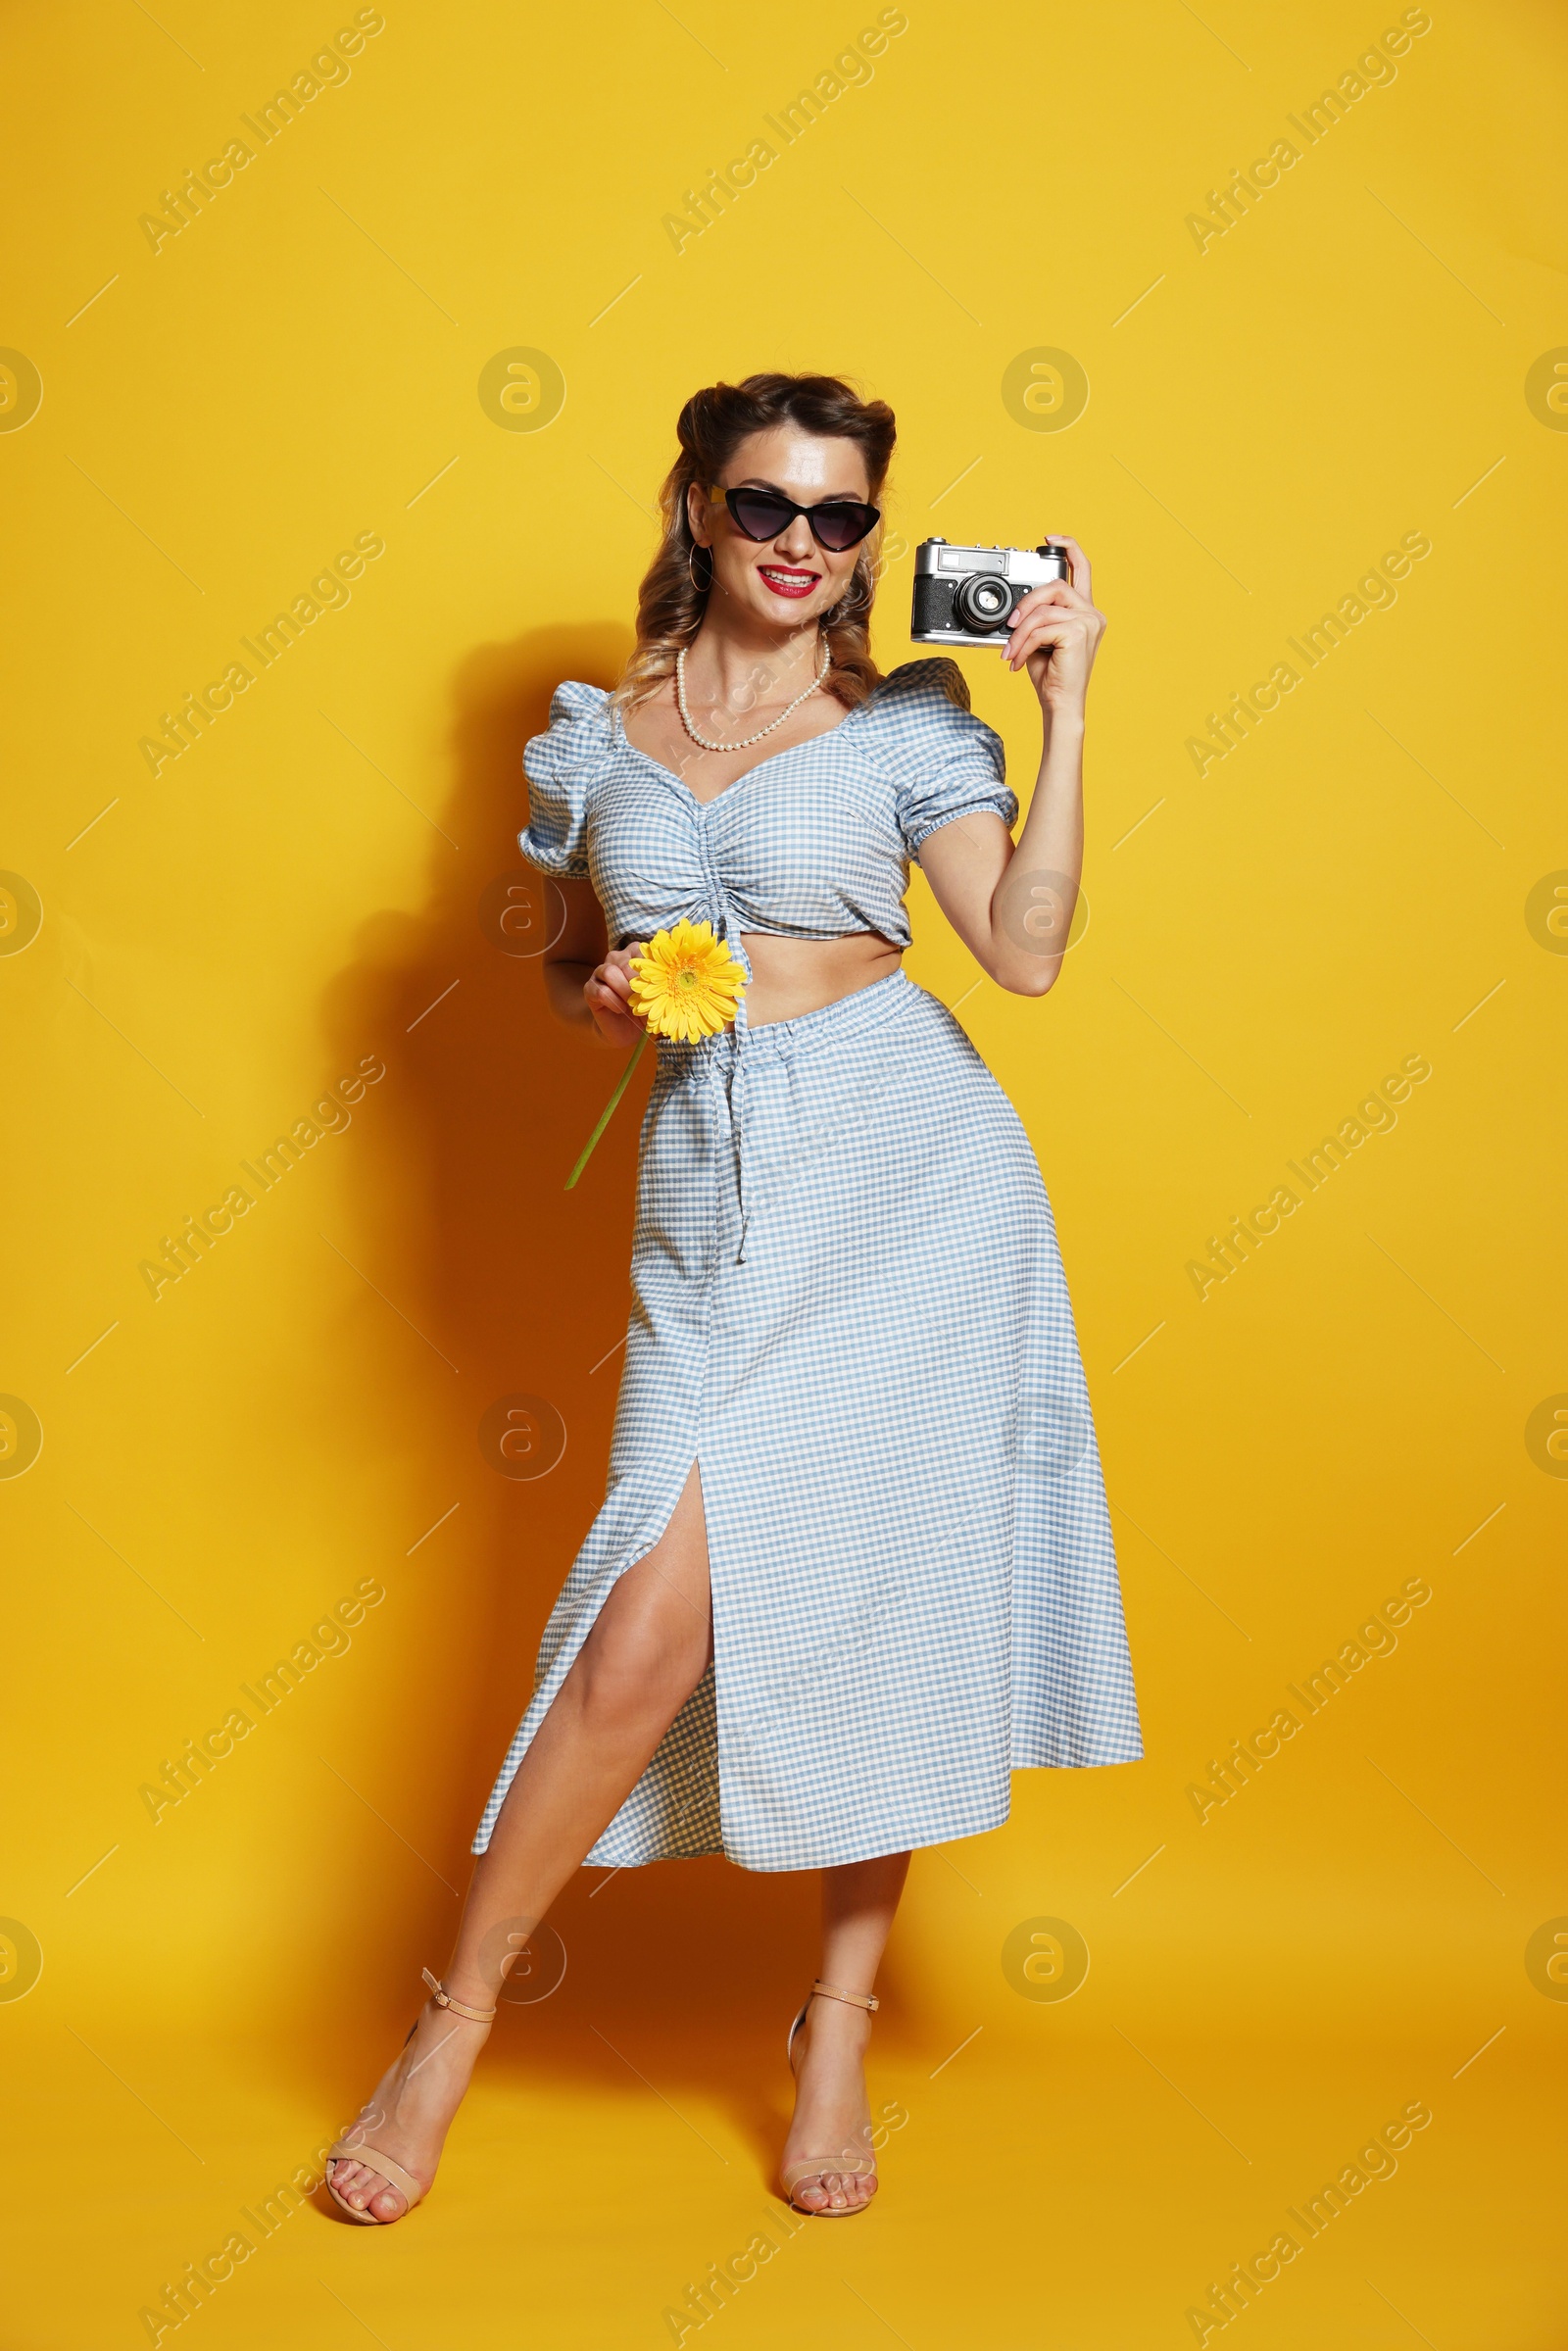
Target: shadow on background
<point>515,1286</point>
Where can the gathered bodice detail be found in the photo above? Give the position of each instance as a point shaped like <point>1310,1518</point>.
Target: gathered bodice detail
<point>813,843</point>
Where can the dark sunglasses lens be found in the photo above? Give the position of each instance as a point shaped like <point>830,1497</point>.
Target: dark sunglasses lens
<point>758,515</point>
<point>843,524</point>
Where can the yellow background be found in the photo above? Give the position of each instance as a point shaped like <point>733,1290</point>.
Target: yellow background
<point>222,941</point>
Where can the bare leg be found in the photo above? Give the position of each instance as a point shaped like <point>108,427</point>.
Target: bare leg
<point>832,2117</point>
<point>645,1654</point>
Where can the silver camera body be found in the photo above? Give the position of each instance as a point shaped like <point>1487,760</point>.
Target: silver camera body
<point>968,594</point>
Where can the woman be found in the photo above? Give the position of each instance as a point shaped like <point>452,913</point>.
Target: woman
<point>853,1565</point>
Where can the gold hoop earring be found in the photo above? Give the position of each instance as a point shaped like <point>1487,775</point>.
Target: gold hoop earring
<point>701,586</point>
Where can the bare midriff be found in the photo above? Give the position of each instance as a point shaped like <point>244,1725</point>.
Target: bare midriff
<point>790,977</point>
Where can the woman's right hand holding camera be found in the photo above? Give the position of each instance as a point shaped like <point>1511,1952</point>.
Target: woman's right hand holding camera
<point>607,992</point>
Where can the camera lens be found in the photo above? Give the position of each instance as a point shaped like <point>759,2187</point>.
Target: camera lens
<point>982,603</point>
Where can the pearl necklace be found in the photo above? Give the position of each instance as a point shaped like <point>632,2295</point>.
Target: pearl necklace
<point>742,742</point>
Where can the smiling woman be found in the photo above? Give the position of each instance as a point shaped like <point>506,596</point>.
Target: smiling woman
<point>853,1565</point>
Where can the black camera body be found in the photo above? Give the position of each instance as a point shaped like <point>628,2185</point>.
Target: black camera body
<point>968,594</point>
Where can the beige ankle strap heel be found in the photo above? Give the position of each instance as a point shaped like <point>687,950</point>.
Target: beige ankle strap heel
<point>351,2150</point>
<point>860,2167</point>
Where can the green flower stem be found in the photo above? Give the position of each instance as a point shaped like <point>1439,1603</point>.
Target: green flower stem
<point>607,1112</point>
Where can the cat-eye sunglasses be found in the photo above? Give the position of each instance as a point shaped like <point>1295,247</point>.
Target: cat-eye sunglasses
<point>837,523</point>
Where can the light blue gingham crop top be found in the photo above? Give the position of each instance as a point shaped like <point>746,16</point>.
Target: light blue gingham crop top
<point>813,843</point>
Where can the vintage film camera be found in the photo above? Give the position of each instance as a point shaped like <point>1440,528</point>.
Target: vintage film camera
<point>968,594</point>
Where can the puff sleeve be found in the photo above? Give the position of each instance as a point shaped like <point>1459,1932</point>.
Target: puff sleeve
<point>561,766</point>
<point>948,763</point>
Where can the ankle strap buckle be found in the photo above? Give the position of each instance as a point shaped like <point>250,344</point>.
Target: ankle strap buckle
<point>443,2000</point>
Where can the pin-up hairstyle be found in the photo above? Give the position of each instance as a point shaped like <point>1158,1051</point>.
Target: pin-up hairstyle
<point>675,588</point>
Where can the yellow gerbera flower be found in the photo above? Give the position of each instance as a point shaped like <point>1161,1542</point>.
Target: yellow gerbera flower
<point>688,984</point>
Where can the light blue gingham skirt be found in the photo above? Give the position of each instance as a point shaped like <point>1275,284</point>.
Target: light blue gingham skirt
<point>848,1309</point>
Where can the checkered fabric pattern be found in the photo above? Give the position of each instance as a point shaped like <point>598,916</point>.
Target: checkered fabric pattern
<point>813,843</point>
<point>848,1309</point>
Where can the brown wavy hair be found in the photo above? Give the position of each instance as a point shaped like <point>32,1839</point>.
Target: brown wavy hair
<point>712,424</point>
